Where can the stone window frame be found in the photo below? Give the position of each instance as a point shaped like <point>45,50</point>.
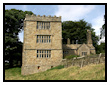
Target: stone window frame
<point>38,67</point>
<point>43,53</point>
<point>43,39</point>
<point>65,52</point>
<point>84,53</point>
<point>43,25</point>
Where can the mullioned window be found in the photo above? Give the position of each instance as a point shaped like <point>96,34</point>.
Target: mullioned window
<point>43,53</point>
<point>43,25</point>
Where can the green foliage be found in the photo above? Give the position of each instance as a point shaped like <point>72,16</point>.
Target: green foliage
<point>13,25</point>
<point>77,30</point>
<point>71,56</point>
<point>100,48</point>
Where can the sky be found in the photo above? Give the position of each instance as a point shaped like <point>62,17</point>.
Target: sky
<point>93,14</point>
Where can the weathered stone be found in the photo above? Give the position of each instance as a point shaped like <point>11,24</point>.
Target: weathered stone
<point>33,60</point>
<point>30,63</point>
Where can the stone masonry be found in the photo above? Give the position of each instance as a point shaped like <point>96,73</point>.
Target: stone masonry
<point>43,48</point>
<point>50,34</point>
<point>79,49</point>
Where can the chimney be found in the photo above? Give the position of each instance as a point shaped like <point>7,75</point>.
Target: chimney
<point>68,41</point>
<point>89,39</point>
<point>72,41</point>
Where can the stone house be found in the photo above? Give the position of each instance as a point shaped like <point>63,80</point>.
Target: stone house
<point>79,49</point>
<point>43,48</point>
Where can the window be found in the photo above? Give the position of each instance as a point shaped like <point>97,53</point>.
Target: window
<point>65,52</point>
<point>51,66</point>
<point>38,67</point>
<point>43,53</point>
<point>43,25</point>
<point>43,39</point>
<point>84,53</point>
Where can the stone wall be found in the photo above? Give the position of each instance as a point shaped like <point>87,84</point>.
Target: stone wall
<point>30,62</point>
<point>83,61</point>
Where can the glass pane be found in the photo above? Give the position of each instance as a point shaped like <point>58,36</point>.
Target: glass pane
<point>44,25</point>
<point>47,55</point>
<point>49,40</point>
<point>37,41</point>
<point>42,40</point>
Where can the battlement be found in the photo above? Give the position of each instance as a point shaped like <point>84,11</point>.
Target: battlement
<point>42,18</point>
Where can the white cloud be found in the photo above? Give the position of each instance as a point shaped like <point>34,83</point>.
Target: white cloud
<point>21,36</point>
<point>101,40</point>
<point>97,23</point>
<point>77,12</point>
<point>73,12</point>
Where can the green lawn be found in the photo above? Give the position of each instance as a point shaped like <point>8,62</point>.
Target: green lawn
<point>90,72</point>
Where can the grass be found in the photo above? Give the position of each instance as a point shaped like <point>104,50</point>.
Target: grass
<point>90,72</point>
<point>57,67</point>
<point>70,56</point>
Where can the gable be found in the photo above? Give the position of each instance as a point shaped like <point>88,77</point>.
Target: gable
<point>83,47</point>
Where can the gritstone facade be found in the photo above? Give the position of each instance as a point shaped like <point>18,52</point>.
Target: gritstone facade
<point>43,48</point>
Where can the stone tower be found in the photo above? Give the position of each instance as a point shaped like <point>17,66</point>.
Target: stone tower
<point>42,47</point>
<point>89,39</point>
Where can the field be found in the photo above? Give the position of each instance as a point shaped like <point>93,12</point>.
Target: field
<point>90,72</point>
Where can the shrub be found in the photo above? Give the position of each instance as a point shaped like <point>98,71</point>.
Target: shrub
<point>71,56</point>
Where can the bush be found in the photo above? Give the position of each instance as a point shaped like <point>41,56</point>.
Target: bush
<point>71,56</point>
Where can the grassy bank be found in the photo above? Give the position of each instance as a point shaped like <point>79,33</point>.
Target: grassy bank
<point>90,72</point>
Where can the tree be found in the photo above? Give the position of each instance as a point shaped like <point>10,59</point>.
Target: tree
<point>102,32</point>
<point>77,30</point>
<point>101,48</point>
<point>13,25</point>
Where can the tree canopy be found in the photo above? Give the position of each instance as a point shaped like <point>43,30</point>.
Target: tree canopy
<point>13,25</point>
<point>77,30</point>
<point>102,32</point>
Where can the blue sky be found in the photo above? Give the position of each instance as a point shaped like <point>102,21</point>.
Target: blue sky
<point>91,13</point>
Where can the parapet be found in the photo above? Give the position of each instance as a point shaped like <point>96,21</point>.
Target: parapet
<point>42,18</point>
